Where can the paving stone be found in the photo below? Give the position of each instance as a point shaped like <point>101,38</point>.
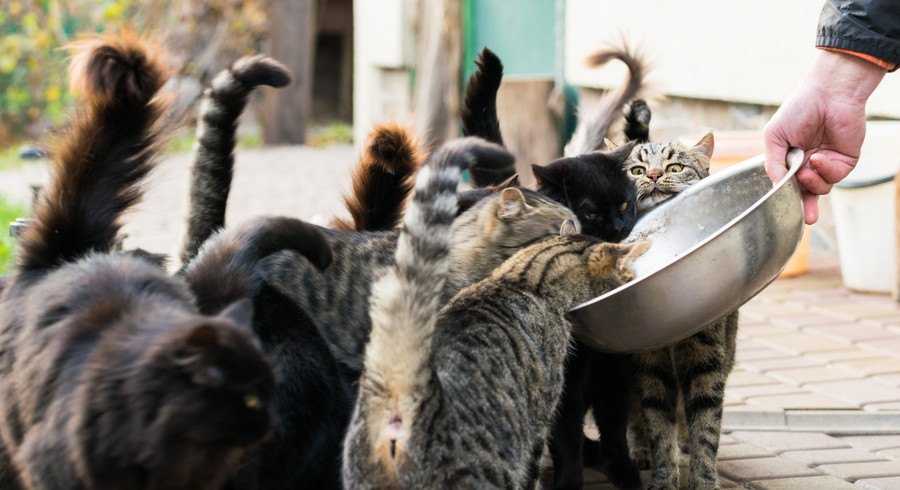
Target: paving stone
<point>804,319</point>
<point>762,353</point>
<point>890,453</point>
<point>817,482</point>
<point>805,401</point>
<point>742,451</point>
<point>726,483</point>
<point>891,347</point>
<point>739,377</point>
<point>858,391</point>
<point>802,376</point>
<point>859,471</point>
<point>888,379</point>
<point>882,407</point>
<point>766,365</point>
<point>591,475</point>
<point>854,310</point>
<point>762,330</point>
<point>780,441</point>
<point>873,442</point>
<point>744,470</point>
<point>726,439</point>
<point>747,319</point>
<point>802,343</point>
<point>739,417</point>
<point>843,355</point>
<point>770,310</point>
<point>830,456</point>
<point>879,483</point>
<point>851,332</point>
<point>842,420</point>
<point>872,366</point>
<point>745,392</point>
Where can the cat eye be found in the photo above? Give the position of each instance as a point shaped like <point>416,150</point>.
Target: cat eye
<point>251,401</point>
<point>623,207</point>
<point>590,216</point>
<point>637,171</point>
<point>675,168</point>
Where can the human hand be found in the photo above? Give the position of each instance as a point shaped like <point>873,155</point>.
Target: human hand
<point>826,118</point>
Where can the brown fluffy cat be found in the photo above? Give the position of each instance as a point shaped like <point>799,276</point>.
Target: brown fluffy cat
<point>109,375</point>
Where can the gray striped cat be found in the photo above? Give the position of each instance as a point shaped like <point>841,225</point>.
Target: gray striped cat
<point>680,388</point>
<point>465,398</point>
<point>337,298</point>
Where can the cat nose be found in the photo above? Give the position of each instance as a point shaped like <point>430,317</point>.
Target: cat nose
<point>654,175</point>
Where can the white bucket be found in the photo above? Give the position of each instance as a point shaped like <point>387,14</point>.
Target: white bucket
<point>863,209</point>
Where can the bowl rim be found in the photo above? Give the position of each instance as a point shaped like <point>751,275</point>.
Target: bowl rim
<point>795,161</point>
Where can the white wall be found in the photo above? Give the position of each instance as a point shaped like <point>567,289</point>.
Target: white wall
<point>752,51</point>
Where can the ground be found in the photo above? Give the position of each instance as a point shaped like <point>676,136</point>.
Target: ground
<point>814,401</point>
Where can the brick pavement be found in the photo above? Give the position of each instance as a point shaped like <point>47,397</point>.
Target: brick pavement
<point>814,401</point>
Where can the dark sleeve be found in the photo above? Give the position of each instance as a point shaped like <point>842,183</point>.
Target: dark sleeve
<point>871,27</point>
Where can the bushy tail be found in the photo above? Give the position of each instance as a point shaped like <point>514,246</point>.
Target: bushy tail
<point>383,180</point>
<point>100,161</point>
<point>221,106</point>
<point>405,302</point>
<point>479,112</point>
<point>591,131</point>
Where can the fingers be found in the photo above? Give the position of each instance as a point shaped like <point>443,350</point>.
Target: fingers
<point>776,152</point>
<point>833,167</point>
<point>810,208</point>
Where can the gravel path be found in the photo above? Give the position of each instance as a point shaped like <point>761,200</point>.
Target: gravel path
<point>291,180</point>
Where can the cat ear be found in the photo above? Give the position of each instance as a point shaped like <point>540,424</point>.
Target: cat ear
<point>195,355</point>
<point>240,313</point>
<point>705,147</point>
<point>568,228</point>
<point>622,152</point>
<point>609,144</point>
<point>512,203</point>
<point>547,175</point>
<point>510,182</point>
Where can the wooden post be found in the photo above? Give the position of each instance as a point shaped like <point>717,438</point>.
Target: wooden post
<point>292,40</point>
<point>436,95</point>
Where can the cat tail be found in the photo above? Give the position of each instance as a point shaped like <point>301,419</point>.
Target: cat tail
<point>383,180</point>
<point>591,131</point>
<point>224,270</point>
<point>99,162</point>
<point>479,112</point>
<point>405,302</point>
<point>221,106</point>
<point>637,121</point>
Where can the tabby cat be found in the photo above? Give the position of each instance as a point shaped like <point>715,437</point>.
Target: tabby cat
<point>110,378</point>
<point>597,189</point>
<point>684,382</point>
<point>465,398</point>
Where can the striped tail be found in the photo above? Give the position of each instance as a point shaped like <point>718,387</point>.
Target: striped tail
<point>404,304</point>
<point>590,133</point>
<point>221,106</point>
<point>101,160</point>
<point>383,180</point>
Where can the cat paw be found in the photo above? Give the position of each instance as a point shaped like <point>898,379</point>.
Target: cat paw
<point>641,457</point>
<point>622,474</point>
<point>703,484</point>
<point>662,485</point>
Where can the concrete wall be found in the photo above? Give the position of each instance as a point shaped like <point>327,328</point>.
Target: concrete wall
<point>747,51</point>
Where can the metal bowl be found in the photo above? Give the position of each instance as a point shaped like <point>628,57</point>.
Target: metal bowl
<point>714,247</point>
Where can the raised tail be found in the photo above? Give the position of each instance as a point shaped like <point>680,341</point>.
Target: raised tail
<point>383,180</point>
<point>225,271</point>
<point>479,112</point>
<point>221,106</point>
<point>637,121</point>
<point>405,302</point>
<point>591,131</point>
<point>100,161</point>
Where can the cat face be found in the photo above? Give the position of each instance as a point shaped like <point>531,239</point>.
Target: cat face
<point>595,187</point>
<point>219,384</point>
<point>661,170</point>
<point>515,218</point>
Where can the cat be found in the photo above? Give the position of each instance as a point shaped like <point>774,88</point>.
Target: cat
<point>679,388</point>
<point>110,377</point>
<point>382,181</point>
<point>464,398</point>
<point>312,399</point>
<point>211,171</point>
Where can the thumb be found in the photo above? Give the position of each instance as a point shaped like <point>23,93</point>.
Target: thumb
<point>776,153</point>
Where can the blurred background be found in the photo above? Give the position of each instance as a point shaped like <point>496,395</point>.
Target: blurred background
<point>715,65</point>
